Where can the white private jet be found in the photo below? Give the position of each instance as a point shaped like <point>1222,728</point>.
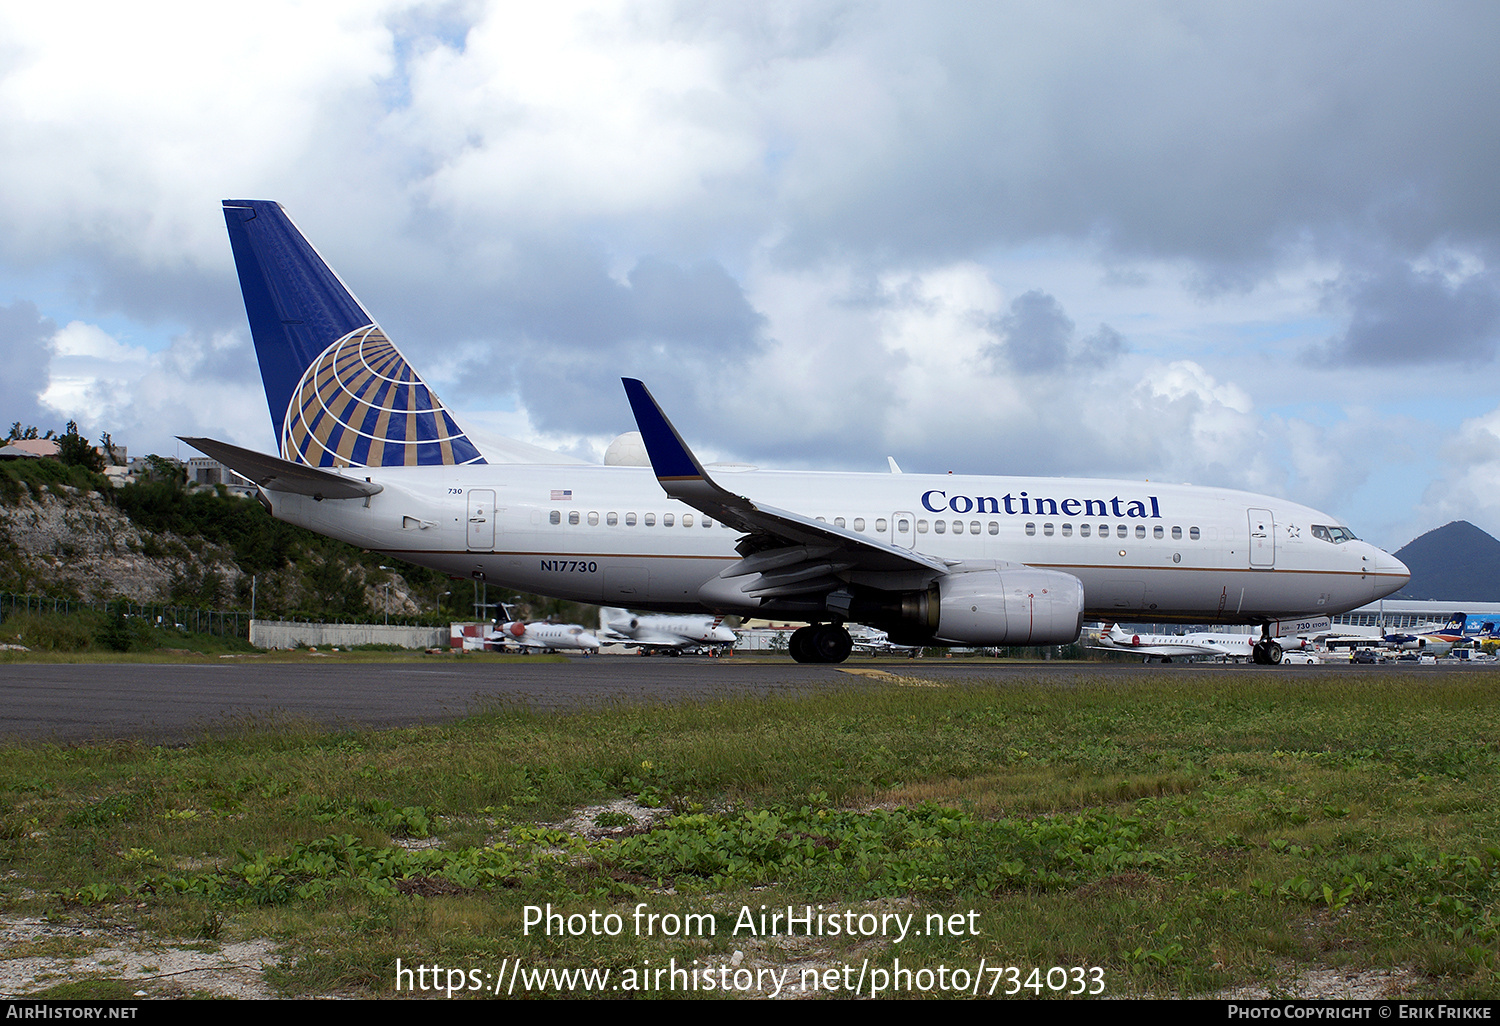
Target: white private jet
<point>370,455</point>
<point>671,634</point>
<point>868,639</point>
<point>543,637</point>
<point>1167,647</point>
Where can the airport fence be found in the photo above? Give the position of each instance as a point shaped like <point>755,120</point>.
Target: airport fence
<point>222,622</point>
<point>202,620</point>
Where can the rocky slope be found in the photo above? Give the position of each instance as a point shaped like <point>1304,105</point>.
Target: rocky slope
<point>65,541</point>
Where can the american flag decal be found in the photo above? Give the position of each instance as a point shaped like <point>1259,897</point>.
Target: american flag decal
<point>562,495</point>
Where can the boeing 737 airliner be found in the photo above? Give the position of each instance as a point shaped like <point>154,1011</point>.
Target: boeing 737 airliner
<point>371,456</point>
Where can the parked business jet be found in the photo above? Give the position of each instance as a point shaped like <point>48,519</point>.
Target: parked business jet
<point>370,455</point>
<point>868,639</point>
<point>671,634</point>
<point>543,637</point>
<point>1166,647</point>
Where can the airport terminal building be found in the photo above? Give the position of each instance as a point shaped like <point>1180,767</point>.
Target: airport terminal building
<point>1401,614</point>
<point>1395,614</point>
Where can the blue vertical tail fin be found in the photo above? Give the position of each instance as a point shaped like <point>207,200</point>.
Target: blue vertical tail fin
<point>340,392</point>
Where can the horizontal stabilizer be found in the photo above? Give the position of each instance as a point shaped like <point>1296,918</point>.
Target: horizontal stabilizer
<point>278,475</point>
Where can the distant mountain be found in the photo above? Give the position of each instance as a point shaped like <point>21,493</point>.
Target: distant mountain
<point>1457,561</point>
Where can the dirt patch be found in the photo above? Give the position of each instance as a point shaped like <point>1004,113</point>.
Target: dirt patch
<point>1329,985</point>
<point>620,818</point>
<point>40,954</point>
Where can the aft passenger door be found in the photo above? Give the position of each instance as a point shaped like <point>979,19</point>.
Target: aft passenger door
<point>481,520</point>
<point>1262,540</point>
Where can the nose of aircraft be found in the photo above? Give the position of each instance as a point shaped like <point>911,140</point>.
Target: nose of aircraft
<point>1391,574</point>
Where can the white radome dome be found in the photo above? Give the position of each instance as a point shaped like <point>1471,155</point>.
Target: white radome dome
<point>627,450</point>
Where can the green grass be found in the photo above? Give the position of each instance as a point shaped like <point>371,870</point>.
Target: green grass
<point>1183,834</point>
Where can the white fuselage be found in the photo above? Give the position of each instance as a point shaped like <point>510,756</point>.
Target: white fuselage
<point>551,637</point>
<point>664,631</point>
<point>1172,646</point>
<point>610,535</point>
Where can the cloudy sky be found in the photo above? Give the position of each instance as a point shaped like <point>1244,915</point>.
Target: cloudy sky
<point>1254,245</point>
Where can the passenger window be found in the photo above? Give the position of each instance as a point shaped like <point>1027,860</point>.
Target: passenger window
<point>1176,534</point>
<point>650,520</point>
<point>555,516</point>
<point>593,519</point>
<point>859,523</point>
<point>838,521</point>
<point>1123,531</point>
<point>666,520</point>
<point>1104,530</point>
<point>938,528</point>
<point>1083,530</point>
<point>1193,533</point>
<point>994,527</point>
<point>687,520</point>
<point>708,522</point>
<point>1140,530</point>
<point>1030,530</point>
<point>612,519</point>
<point>629,519</point>
<point>1157,531</point>
<point>1067,530</point>
<point>573,516</point>
<point>1047,530</point>
<point>958,527</point>
<point>973,527</point>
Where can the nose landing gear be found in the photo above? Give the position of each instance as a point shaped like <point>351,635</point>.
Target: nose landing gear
<point>1266,652</point>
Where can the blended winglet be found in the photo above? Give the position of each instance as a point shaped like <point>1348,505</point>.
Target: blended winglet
<point>683,478</point>
<point>671,459</point>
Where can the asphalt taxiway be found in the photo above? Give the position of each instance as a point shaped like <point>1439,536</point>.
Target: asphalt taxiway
<point>178,702</point>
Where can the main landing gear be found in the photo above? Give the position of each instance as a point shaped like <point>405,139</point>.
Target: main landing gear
<point>1266,651</point>
<point>821,643</point>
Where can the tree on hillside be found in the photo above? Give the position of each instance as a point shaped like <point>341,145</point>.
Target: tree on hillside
<point>75,450</point>
<point>111,454</point>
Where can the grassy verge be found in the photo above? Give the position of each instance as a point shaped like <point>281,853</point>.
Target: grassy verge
<point>1180,835</point>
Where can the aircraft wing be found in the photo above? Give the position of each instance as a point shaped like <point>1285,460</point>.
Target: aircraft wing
<point>280,475</point>
<point>792,554</point>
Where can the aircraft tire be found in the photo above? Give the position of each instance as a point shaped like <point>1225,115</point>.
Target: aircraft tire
<point>831,643</point>
<point>798,645</point>
<point>1267,653</point>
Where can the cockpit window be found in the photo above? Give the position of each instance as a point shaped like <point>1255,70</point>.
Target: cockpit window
<point>1336,535</point>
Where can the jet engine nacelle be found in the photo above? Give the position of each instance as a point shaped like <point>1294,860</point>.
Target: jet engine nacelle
<point>1009,605</point>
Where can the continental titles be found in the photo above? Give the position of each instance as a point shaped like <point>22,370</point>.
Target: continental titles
<point>935,500</point>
